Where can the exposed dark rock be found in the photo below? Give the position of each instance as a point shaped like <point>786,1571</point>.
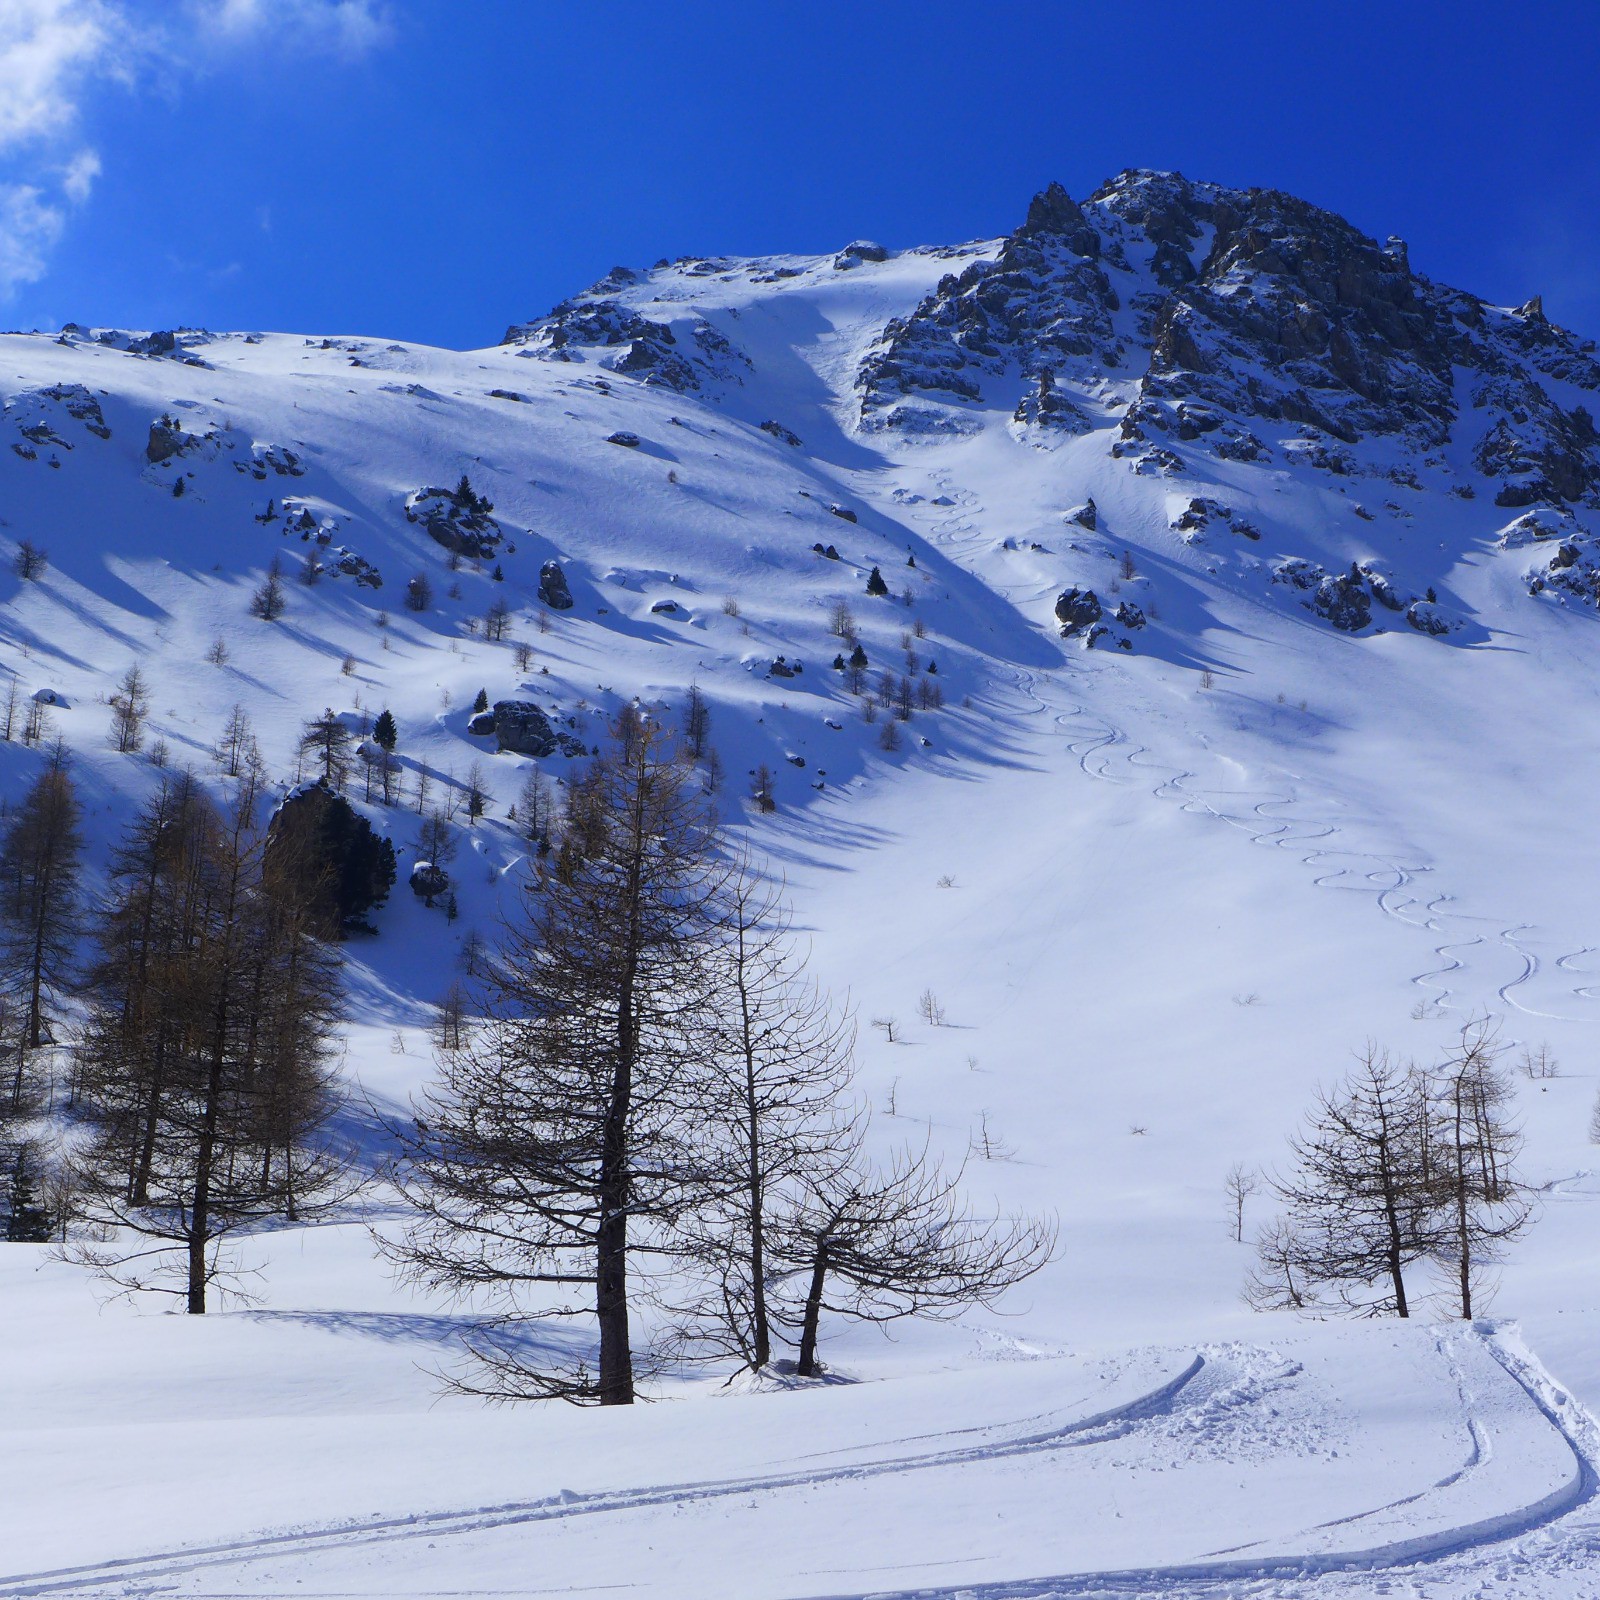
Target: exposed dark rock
<point>350,565</point>
<point>1571,571</point>
<point>456,518</point>
<point>81,406</point>
<point>1130,616</point>
<point>858,251</point>
<point>1046,406</point>
<point>780,433</point>
<point>1344,601</point>
<point>1424,616</point>
<point>481,724</point>
<point>428,881</point>
<point>553,589</point>
<point>1077,610</point>
<point>522,727</point>
<point>271,458</point>
<point>1198,515</point>
<point>1251,307</point>
<point>596,326</point>
<point>167,440</point>
<point>161,343</point>
<point>629,441</point>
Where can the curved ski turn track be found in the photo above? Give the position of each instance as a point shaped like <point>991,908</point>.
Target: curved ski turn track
<point>1106,753</point>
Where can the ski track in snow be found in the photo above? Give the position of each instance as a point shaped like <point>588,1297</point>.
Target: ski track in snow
<point>1195,1384</point>
<point>1099,746</point>
<point>1515,1553</point>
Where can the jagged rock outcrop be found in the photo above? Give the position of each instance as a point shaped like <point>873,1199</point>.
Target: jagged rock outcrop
<point>1571,571</point>
<point>1237,315</point>
<point>595,326</point>
<point>858,251</point>
<point>1345,599</point>
<point>168,440</point>
<point>1043,304</point>
<point>276,459</point>
<point>75,401</point>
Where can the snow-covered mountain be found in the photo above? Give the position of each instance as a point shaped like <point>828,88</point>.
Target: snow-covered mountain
<point>1193,506</point>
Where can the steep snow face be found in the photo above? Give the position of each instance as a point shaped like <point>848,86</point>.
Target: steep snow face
<point>1258,727</point>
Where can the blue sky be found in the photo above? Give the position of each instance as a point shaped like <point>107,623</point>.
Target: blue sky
<point>436,169</point>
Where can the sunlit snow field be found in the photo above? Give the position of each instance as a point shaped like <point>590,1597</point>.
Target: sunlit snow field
<point>1156,913</point>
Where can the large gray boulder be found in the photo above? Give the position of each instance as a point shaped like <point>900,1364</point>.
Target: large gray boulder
<point>522,727</point>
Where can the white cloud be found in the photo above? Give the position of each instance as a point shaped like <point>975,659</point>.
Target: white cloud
<point>345,28</point>
<point>29,229</point>
<point>50,51</point>
<point>48,48</point>
<point>54,52</point>
<point>78,177</point>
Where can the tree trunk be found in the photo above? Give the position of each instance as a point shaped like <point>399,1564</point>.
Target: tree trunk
<point>611,1236</point>
<point>1463,1234</point>
<point>200,1212</point>
<point>611,1307</point>
<point>36,983</point>
<point>139,1187</point>
<point>761,1328</point>
<point>806,1366</point>
<point>1396,1249</point>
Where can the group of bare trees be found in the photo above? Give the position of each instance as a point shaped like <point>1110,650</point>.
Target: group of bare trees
<point>650,1107</point>
<point>201,1029</point>
<point>1397,1167</point>
<point>41,853</point>
<point>204,1071</point>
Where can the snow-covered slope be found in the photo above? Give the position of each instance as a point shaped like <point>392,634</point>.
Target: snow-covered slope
<point>1256,571</point>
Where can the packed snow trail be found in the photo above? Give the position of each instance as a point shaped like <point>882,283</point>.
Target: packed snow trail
<point>1095,1428</point>
<point>1527,1513</point>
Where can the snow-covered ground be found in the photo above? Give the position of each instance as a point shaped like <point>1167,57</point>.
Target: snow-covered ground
<point>1158,909</point>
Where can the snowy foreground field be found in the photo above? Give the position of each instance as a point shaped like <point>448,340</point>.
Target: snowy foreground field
<point>1161,894</point>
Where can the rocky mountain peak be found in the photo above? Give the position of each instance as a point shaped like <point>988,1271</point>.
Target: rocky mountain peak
<point>1246,322</point>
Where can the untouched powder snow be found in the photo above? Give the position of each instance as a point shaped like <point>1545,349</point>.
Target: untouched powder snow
<point>1161,894</point>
